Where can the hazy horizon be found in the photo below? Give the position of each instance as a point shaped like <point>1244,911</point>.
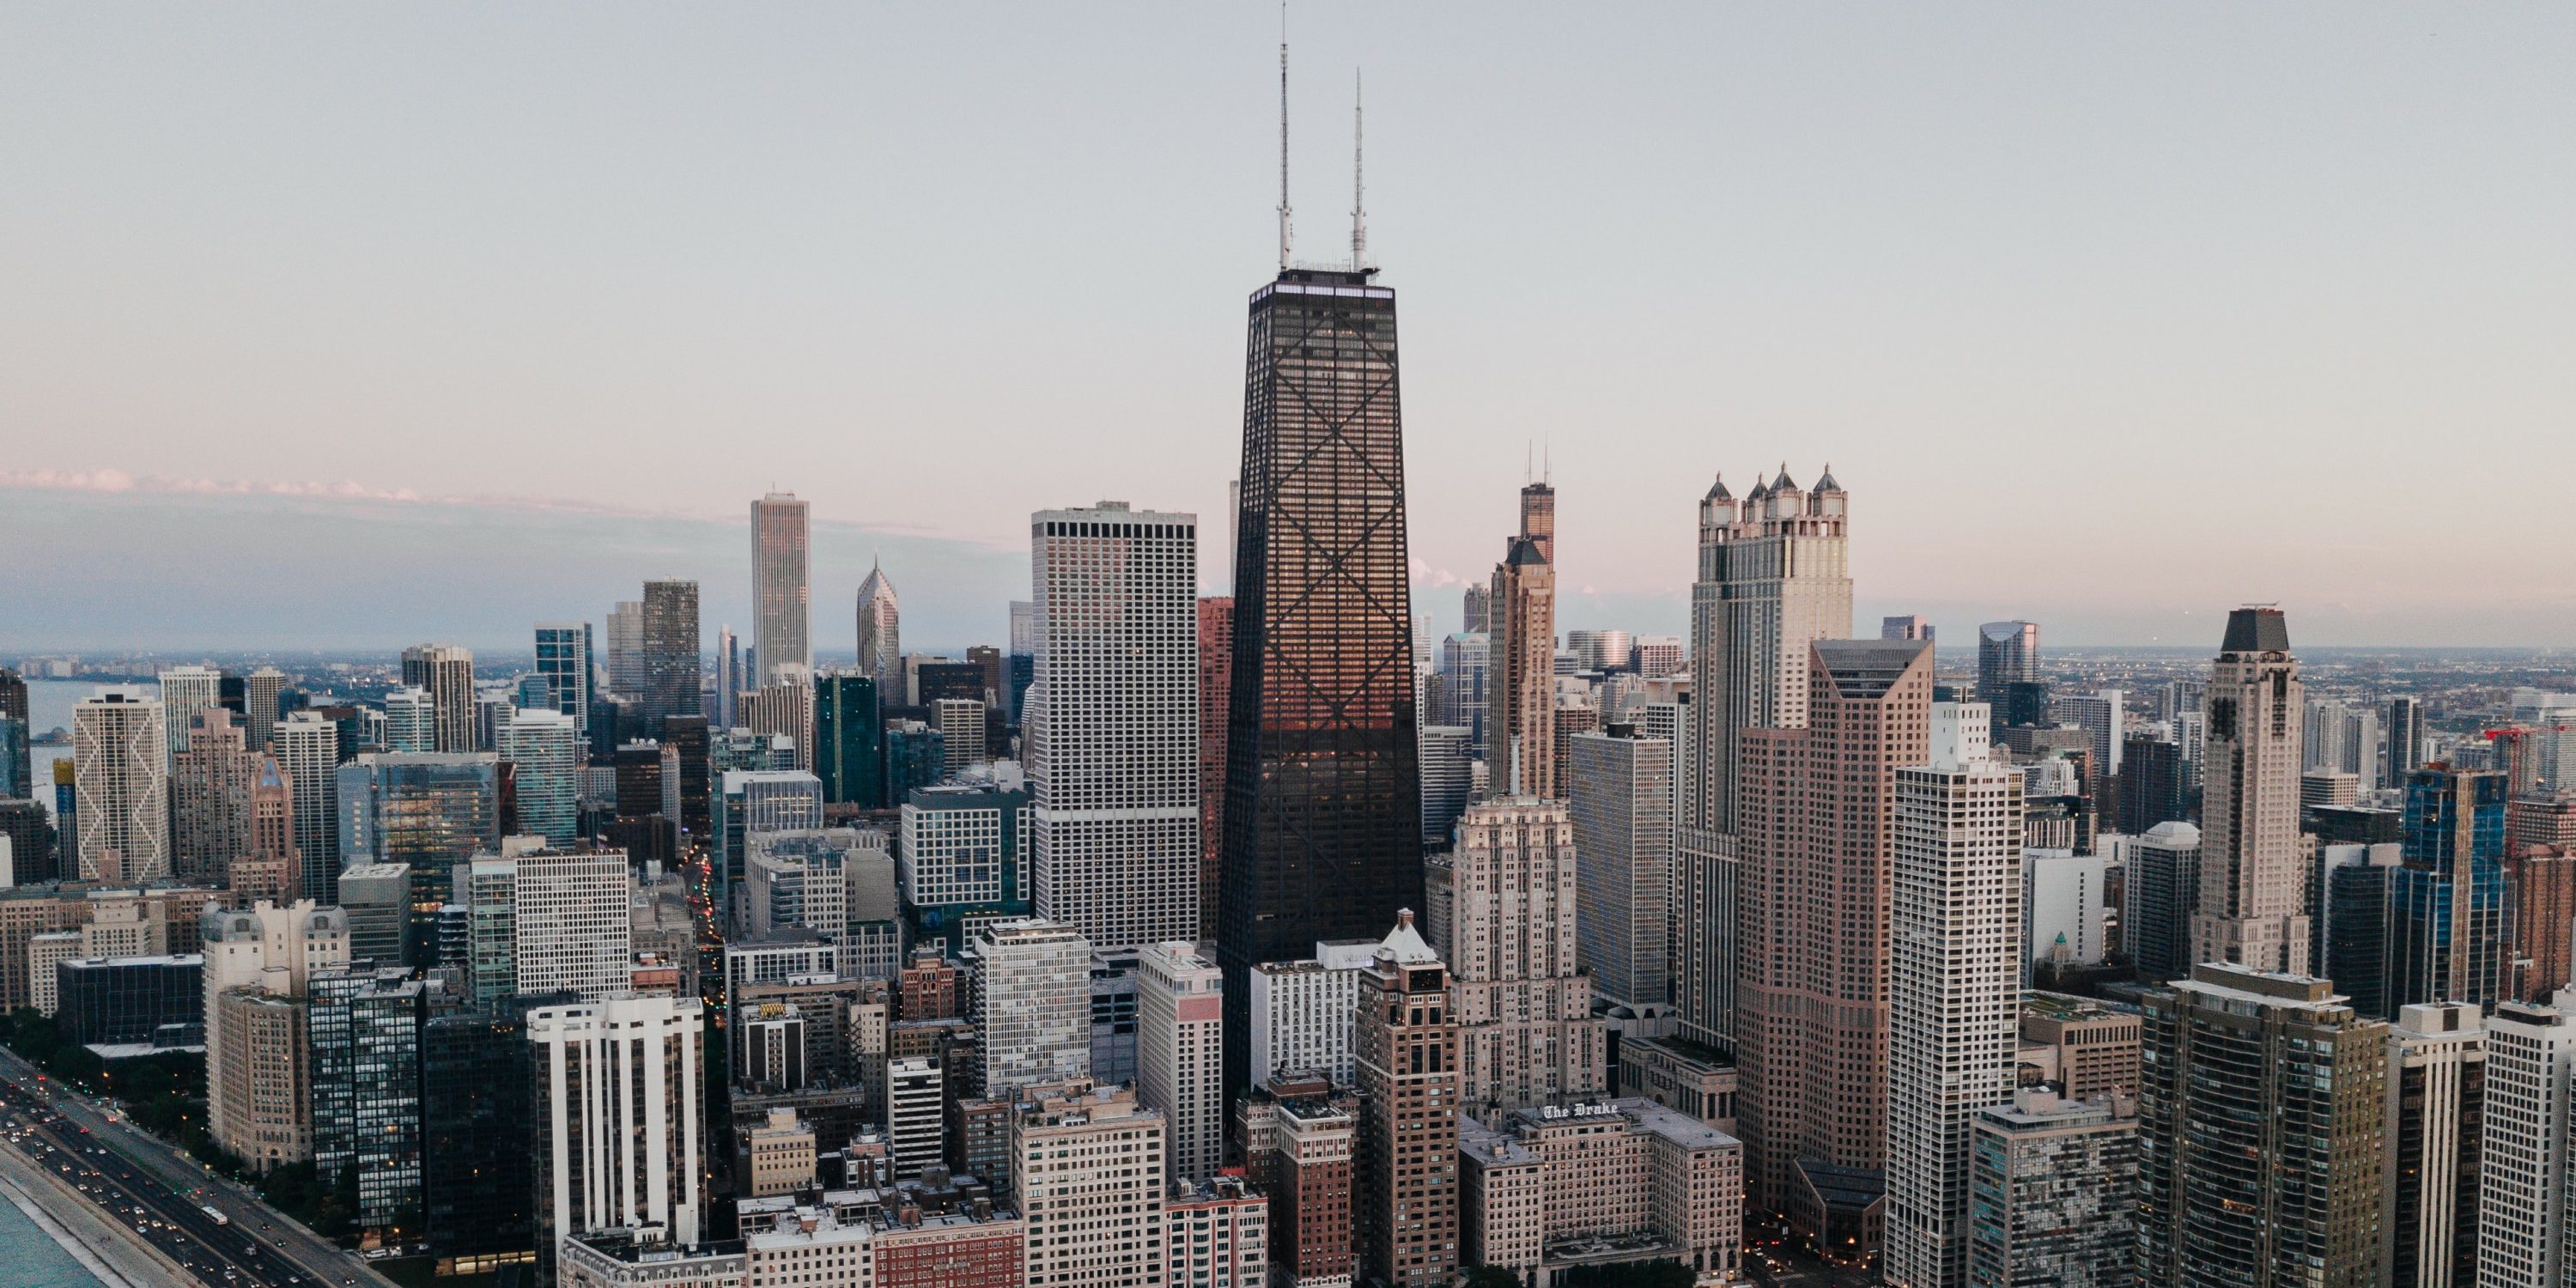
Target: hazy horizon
<point>401,323</point>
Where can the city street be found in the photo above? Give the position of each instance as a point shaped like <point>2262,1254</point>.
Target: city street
<point>147,1186</point>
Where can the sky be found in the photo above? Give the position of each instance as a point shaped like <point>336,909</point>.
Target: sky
<point>318,323</point>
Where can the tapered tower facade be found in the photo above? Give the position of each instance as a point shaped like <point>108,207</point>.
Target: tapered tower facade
<point>2252,912</point>
<point>1323,834</point>
<point>1773,578</point>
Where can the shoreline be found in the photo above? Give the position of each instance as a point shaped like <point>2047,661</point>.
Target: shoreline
<point>113,1261</point>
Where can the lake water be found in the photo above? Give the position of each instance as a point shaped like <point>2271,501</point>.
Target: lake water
<point>49,706</point>
<point>29,1258</point>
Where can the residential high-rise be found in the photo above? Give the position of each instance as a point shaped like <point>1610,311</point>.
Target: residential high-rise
<point>672,665</point>
<point>1954,987</point>
<point>543,749</point>
<point>1032,1005</point>
<point>411,720</point>
<point>273,869</point>
<point>1773,577</point>
<point>185,691</point>
<point>2429,1191</point>
<point>1522,684</point>
<point>2450,932</point>
<point>1448,781</point>
<point>262,691</point>
<point>365,1050</point>
<point>2007,654</point>
<point>563,657</point>
<point>1622,810</point>
<point>849,739</point>
<point>1087,1166</point>
<point>1180,1054</point>
<point>2053,1193</point>
<point>258,962</point>
<point>310,758</point>
<point>1816,820</point>
<point>1323,799</point>
<point>960,722</point>
<point>17,762</point>
<point>626,648</point>
<point>121,773</point>
<point>2101,714</point>
<point>2250,883</point>
<point>2404,728</point>
<point>2543,881</point>
<point>618,1089</point>
<point>2163,891</point>
<point>210,788</point>
<point>1404,1195</point>
<point>446,673</point>
<point>1303,1012</point>
<point>780,572</point>
<point>881,634</point>
<point>2524,1143</point>
<point>1503,904</point>
<point>783,708</point>
<point>1216,674</point>
<point>2261,1109</point>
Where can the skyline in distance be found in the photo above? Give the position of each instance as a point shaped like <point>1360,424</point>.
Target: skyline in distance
<point>2109,320</point>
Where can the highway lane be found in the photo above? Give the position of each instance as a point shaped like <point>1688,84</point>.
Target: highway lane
<point>247,1250</point>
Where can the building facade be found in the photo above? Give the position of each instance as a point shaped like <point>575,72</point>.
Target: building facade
<point>1112,725</point>
<point>1405,1178</point>
<point>1954,990</point>
<point>2250,910</point>
<point>1773,576</point>
<point>1180,1055</point>
<point>1818,860</point>
<point>781,574</point>
<point>1505,905</point>
<point>1323,807</point>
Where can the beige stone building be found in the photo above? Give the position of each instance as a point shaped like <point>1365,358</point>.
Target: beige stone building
<point>1504,913</point>
<point>1088,1173</point>
<point>1600,1182</point>
<point>782,1155</point>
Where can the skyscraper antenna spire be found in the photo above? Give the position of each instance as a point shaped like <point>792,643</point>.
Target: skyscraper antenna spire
<point>1283,134</point>
<point>1359,203</point>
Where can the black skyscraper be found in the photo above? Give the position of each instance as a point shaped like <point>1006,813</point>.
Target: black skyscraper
<point>1323,796</point>
<point>673,667</point>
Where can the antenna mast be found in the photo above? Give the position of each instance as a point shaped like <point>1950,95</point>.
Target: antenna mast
<point>1359,205</point>
<point>1283,134</point>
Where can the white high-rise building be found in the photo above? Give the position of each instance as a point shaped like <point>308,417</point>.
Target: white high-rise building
<point>411,720</point>
<point>1113,723</point>
<point>619,1089</point>
<point>626,648</point>
<point>1773,578</point>
<point>121,780</point>
<point>780,575</point>
<point>545,746</point>
<point>1622,807</point>
<point>2252,909</point>
<point>2103,716</point>
<point>1180,1054</point>
<point>572,923</point>
<point>2436,1072</point>
<point>185,691</point>
<point>2523,1144</point>
<point>1032,1004</point>
<point>1954,986</point>
<point>308,753</point>
<point>1302,1011</point>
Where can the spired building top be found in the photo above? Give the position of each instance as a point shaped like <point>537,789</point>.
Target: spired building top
<point>1323,797</point>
